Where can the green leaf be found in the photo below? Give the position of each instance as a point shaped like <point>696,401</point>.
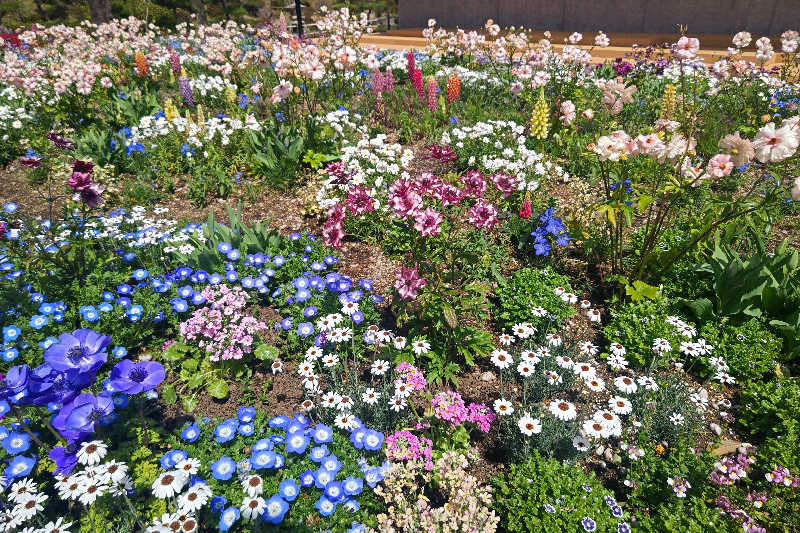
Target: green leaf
<point>189,403</point>
<point>266,352</point>
<point>168,394</point>
<point>190,365</point>
<point>218,389</point>
<point>703,308</point>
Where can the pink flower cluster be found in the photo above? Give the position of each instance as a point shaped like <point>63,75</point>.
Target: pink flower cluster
<point>333,231</point>
<point>780,475</point>
<point>408,283</point>
<point>449,406</point>
<point>404,446</point>
<point>410,375</point>
<point>725,506</point>
<point>382,82</point>
<point>481,416</point>
<point>729,470</point>
<point>221,328</point>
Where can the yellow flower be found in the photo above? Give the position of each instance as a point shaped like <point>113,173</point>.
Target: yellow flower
<point>540,122</point>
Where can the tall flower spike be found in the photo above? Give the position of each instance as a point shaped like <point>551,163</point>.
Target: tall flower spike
<point>142,68</point>
<point>175,63</point>
<point>186,91</point>
<point>431,90</point>
<point>540,122</point>
<point>668,103</point>
<point>453,89</point>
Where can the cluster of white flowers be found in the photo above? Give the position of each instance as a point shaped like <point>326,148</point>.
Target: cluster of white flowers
<point>151,128</point>
<point>211,86</point>
<point>344,124</point>
<point>13,114</point>
<point>371,162</point>
<point>475,79</point>
<point>501,148</point>
<point>170,485</point>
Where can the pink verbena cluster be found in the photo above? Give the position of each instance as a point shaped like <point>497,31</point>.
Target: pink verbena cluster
<point>449,406</point>
<point>481,416</point>
<point>410,376</point>
<point>404,446</point>
<point>221,328</point>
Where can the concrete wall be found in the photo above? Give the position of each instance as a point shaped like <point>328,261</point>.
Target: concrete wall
<point>759,17</point>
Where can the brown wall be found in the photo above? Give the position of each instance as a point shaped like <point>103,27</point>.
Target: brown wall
<point>650,16</point>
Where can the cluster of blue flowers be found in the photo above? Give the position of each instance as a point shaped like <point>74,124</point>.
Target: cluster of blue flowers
<point>550,230</point>
<point>297,437</point>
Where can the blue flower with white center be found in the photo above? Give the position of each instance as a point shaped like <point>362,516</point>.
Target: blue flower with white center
<point>10,207</point>
<point>351,505</point>
<point>365,284</point>
<point>318,453</point>
<point>277,439</point>
<point>248,282</point>
<point>224,247</point>
<point>623,527</point>
<point>123,301</point>
<point>124,289</point>
<point>3,432</point>
<point>353,485</point>
<point>11,333</point>
<point>293,426</point>
<point>357,437</point>
<point>278,422</point>
<point>139,274</point>
<point>302,295</point>
<point>215,279</point>
<point>170,459</point>
<point>304,329</point>
<point>275,510</point>
<point>322,434</point>
<point>334,491</point>
<point>228,517</point>
<point>105,307</point>
<point>373,476</point>
<point>39,321</point>
<point>190,433</point>
<point>330,260</point>
<point>233,255</point>
<point>223,469</point>
<point>325,506</point>
<point>307,479</point>
<point>373,440</point>
<point>322,477</point>
<point>286,324</point>
<point>20,466</point>
<point>289,490</point>
<point>179,305</point>
<point>279,461</point>
<point>262,459</point>
<point>47,308</point>
<point>226,430</point>
<point>247,429</point>
<point>357,528</point>
<point>332,464</point>
<point>357,317</point>
<point>616,511</point>
<point>198,299</point>
<point>9,354</point>
<point>549,509</point>
<point>121,401</point>
<point>218,503</point>
<point>297,443</point>
<point>135,310</point>
<point>302,419</point>
<point>186,291</point>
<point>108,296</point>
<point>119,352</point>
<point>316,266</point>
<point>588,524</point>
<point>246,414</point>
<point>48,342</point>
<point>294,236</point>
<point>300,283</point>
<point>263,444</point>
<point>310,311</point>
<point>16,443</point>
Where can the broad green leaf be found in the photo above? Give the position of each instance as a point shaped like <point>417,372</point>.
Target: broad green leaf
<point>218,389</point>
<point>266,352</point>
<point>189,403</point>
<point>168,394</point>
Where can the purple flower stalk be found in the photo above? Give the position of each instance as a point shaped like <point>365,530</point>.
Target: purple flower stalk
<point>186,91</point>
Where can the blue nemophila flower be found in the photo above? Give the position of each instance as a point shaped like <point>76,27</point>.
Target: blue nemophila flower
<point>279,461</point>
<point>310,311</point>
<point>304,329</point>
<point>373,440</point>
<point>278,260</point>
<point>121,401</point>
<point>357,528</point>
<point>286,324</point>
<point>297,443</point>
<point>357,317</point>
<point>279,422</point>
<point>124,289</point>
<point>289,490</point>
<point>353,485</point>
<point>351,505</point>
<point>123,301</point>
<point>47,342</point>
<point>549,509</point>
<point>20,466</point>
<point>190,433</point>
<point>263,444</point>
<point>228,517</point>
<point>105,307</point>
<point>233,255</point>
<point>223,468</point>
<point>11,333</point>
<point>262,459</point>
<point>186,291</point>
<point>334,491</point>
<point>246,414</point>
<point>46,308</point>
<point>588,524</point>
<point>179,305</point>
<point>357,437</point>
<point>325,506</point>
<point>322,434</point>
<point>119,352</point>
<point>616,511</point>
<point>39,321</point>
<point>322,477</point>
<point>275,510</point>
<point>302,295</point>
<point>294,427</point>
<point>215,279</point>
<point>300,282</point>
<point>246,429</point>
<point>307,479</point>
<point>318,453</point>
<point>9,354</point>
<point>139,274</point>
<point>623,527</point>
<point>10,207</point>
<point>331,464</point>
<point>373,476</point>
<point>224,247</point>
<point>198,299</point>
<point>218,503</point>
<point>16,443</point>
<point>171,458</point>
<point>226,430</point>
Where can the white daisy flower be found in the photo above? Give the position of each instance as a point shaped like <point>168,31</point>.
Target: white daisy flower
<point>252,507</point>
<point>92,490</point>
<point>724,378</point>
<point>587,348</point>
<point>580,443</point>
<point>539,312</point>
<point>617,362</point>
<point>528,425</point>
<point>553,378</point>
<point>594,429</point>
<point>397,404</point>
<point>525,369</point>
<point>563,410</point>
<point>568,297</point>
<point>379,367</point>
<point>305,369</point>
<point>617,349</point>
<point>314,353</point>
<point>330,399</point>
<point>661,345</point>
<point>22,490</point>
<point>554,339</point>
<point>399,343</point>
<point>92,452</point>
<point>370,396</point>
<point>501,359</point>
<point>530,357</point>
<point>596,384</point>
<point>59,526</point>
<point>584,371</point>
<point>506,339</point>
<point>503,407</point>
<point>253,485</point>
<point>586,304</point>
<point>421,347</point>
<point>565,362</point>
<point>194,498</point>
<point>168,484</point>
<point>620,405</point>
<point>676,419</point>
<point>345,404</point>
<point>594,315</point>
<point>189,466</point>
<point>648,383</point>
<point>559,291</point>
<point>346,421</point>
<point>626,384</point>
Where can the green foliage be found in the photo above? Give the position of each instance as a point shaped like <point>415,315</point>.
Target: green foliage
<point>771,412</point>
<point>692,515</point>
<point>522,497</point>
<point>529,288</point>
<point>636,324</point>
<point>654,409</point>
<point>749,349</point>
<point>277,155</point>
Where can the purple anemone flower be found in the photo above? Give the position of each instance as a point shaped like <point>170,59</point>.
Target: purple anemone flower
<point>48,385</point>
<point>81,350</point>
<point>14,385</point>
<point>83,414</point>
<point>64,458</point>
<point>133,378</point>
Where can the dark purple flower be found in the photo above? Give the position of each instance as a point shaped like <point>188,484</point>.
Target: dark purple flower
<point>30,162</point>
<point>186,91</point>
<point>91,195</point>
<point>82,350</point>
<point>83,413</point>
<point>61,142</point>
<point>81,177</point>
<point>47,385</point>
<point>133,378</point>
<point>64,460</point>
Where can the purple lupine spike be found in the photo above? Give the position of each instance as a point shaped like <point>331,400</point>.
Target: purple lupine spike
<point>186,91</point>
